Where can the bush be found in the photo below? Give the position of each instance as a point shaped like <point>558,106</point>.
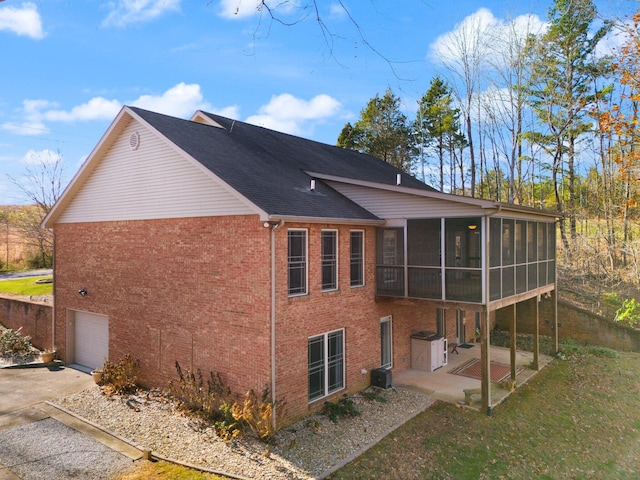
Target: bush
<point>119,377</point>
<point>629,313</point>
<point>204,400</point>
<point>213,403</point>
<point>13,343</point>
<point>257,414</point>
<point>342,408</point>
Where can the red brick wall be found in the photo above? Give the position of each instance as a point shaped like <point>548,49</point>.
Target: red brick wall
<point>198,291</point>
<point>354,309</point>
<point>34,318</point>
<point>195,290</point>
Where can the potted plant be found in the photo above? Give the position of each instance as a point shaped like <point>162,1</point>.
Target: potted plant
<point>47,356</point>
<point>97,375</point>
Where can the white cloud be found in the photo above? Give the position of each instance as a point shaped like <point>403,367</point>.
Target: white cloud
<point>46,156</point>
<point>286,113</point>
<point>481,31</point>
<point>179,101</point>
<point>23,20</point>
<point>232,111</point>
<point>337,11</point>
<point>247,8</point>
<point>97,108</point>
<point>125,12</point>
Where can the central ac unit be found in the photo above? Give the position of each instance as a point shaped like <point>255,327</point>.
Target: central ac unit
<point>381,377</point>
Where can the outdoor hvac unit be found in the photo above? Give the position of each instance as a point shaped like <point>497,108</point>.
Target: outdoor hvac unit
<point>381,377</point>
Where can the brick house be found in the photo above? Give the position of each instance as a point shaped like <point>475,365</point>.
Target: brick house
<point>276,261</point>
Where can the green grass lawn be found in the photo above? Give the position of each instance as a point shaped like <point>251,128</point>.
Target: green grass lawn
<point>577,419</point>
<point>26,287</point>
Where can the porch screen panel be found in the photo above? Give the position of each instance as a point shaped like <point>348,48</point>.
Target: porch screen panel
<point>521,241</point>
<point>495,284</point>
<point>390,261</point>
<point>423,252</point>
<point>521,278</point>
<point>425,283</point>
<point>508,283</point>
<point>542,241</point>
<point>508,242</point>
<point>423,242</point>
<point>494,238</point>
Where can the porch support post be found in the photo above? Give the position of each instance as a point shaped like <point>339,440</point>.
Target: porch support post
<point>555,319</point>
<point>485,363</point>
<point>536,332</point>
<point>512,342</point>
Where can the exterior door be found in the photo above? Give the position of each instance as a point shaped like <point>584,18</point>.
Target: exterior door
<point>460,336</point>
<point>91,339</point>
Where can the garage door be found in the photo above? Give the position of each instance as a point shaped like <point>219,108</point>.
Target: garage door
<point>91,339</point>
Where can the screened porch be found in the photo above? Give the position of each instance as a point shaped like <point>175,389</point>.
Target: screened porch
<point>474,260</point>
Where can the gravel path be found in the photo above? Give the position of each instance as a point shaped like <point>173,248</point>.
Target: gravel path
<point>307,449</point>
<point>48,450</point>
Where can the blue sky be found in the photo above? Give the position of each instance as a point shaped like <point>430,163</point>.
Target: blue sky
<point>68,67</point>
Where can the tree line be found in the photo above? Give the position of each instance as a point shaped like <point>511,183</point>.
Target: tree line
<point>543,117</point>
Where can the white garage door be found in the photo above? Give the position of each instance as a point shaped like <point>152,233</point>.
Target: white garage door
<point>91,339</point>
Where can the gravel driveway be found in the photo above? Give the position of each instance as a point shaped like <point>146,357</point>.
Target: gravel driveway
<point>33,444</point>
<point>48,449</point>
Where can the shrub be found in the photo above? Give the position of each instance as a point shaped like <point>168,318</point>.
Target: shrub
<point>119,377</point>
<point>204,400</point>
<point>257,414</point>
<point>629,313</point>
<point>342,408</point>
<point>13,343</point>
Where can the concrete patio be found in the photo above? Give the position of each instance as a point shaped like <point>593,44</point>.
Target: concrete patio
<point>449,387</point>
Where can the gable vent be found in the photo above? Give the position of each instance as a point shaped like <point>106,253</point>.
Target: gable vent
<point>134,141</point>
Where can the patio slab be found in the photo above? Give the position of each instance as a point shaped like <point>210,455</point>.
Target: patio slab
<point>449,387</point>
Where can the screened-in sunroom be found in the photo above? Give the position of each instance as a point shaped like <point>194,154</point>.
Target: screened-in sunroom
<point>495,257</point>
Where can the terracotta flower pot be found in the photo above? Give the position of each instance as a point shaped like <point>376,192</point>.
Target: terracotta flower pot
<point>97,376</point>
<point>47,357</point>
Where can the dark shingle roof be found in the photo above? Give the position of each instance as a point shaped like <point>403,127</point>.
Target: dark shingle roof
<point>268,167</point>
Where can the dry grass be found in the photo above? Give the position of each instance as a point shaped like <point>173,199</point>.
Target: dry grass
<point>144,470</point>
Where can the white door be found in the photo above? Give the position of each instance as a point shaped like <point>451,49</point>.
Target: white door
<point>460,333</point>
<point>91,338</point>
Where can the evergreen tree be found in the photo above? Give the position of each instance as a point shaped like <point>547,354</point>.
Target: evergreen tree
<point>563,73</point>
<point>437,125</point>
<point>382,131</point>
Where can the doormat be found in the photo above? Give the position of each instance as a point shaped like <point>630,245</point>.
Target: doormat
<point>466,345</point>
<point>473,369</point>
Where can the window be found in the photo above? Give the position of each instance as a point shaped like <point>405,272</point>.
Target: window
<point>357,258</point>
<point>386,343</point>
<point>329,253</point>
<point>326,364</point>
<point>297,262</point>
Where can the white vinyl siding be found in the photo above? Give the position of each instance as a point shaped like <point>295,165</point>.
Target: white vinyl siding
<point>389,204</point>
<point>152,182</point>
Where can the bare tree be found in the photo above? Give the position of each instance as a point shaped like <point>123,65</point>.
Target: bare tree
<point>42,184</point>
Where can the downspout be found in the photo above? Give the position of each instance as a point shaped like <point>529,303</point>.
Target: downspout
<point>53,306</point>
<point>273,320</point>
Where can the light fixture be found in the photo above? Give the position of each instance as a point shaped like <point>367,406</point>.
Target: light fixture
<point>472,227</point>
<point>272,224</point>
<point>83,292</point>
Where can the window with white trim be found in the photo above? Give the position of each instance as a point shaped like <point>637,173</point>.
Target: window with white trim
<point>357,258</point>
<point>326,364</point>
<point>297,262</point>
<point>329,253</point>
<point>386,342</point>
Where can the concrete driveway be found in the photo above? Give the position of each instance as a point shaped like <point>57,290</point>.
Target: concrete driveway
<point>39,441</point>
